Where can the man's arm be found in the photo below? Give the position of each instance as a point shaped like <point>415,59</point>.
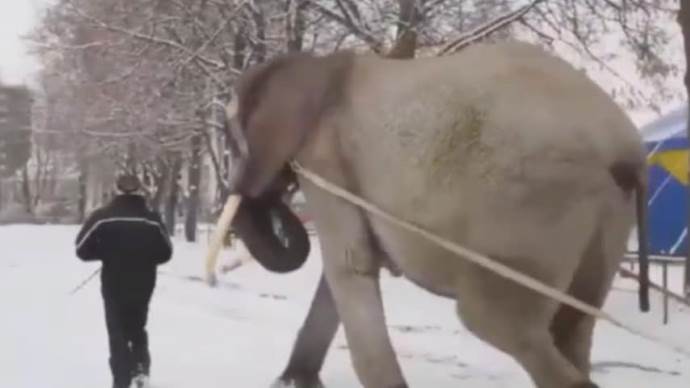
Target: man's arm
<point>163,249</point>
<point>88,240</point>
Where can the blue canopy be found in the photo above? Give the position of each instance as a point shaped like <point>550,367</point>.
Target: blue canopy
<point>667,145</point>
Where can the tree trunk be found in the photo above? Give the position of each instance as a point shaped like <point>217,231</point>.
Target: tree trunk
<point>173,195</point>
<point>406,40</point>
<point>295,26</point>
<point>159,179</point>
<point>684,20</point>
<point>260,25</point>
<point>38,179</point>
<point>81,201</point>
<point>26,190</point>
<point>130,158</point>
<point>194,179</point>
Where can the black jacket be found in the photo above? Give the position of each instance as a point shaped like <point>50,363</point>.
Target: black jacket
<point>124,234</point>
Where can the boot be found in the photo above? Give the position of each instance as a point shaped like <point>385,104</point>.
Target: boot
<point>121,373</point>
<point>140,379</point>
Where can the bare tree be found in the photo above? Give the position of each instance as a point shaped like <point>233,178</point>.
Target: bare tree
<point>148,79</point>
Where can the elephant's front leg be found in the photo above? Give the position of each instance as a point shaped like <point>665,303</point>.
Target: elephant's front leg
<point>314,339</point>
<point>359,303</point>
<point>352,266</point>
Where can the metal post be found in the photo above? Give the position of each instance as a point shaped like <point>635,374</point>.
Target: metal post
<point>664,275</point>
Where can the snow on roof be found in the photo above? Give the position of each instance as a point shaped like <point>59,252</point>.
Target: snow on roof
<point>670,125</point>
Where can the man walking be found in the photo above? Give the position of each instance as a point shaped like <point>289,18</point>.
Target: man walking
<point>131,241</point>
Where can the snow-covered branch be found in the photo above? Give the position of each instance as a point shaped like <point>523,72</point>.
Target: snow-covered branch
<point>488,28</point>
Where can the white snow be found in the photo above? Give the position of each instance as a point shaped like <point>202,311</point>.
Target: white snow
<point>240,334</point>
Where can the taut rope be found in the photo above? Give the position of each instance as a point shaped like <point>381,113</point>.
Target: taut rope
<point>480,260</point>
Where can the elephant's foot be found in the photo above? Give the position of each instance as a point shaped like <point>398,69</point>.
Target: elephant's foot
<point>298,382</point>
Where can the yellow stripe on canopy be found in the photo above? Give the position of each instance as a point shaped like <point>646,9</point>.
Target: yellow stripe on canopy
<point>675,162</point>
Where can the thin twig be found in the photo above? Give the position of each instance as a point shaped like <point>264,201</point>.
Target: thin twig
<point>85,281</point>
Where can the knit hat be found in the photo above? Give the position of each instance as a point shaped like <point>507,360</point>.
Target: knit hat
<point>128,183</point>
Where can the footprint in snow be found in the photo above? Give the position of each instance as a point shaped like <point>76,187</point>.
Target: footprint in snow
<point>604,366</point>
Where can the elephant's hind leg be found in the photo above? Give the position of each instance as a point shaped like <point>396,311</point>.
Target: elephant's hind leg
<point>516,321</point>
<point>572,330</point>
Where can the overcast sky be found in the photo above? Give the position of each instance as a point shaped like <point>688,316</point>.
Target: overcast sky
<point>17,17</point>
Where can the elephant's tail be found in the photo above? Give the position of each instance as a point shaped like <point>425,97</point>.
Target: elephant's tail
<point>632,177</point>
<point>643,246</point>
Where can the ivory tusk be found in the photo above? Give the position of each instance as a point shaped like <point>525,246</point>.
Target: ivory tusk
<point>229,210</point>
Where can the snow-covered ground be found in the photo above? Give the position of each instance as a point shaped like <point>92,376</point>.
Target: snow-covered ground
<point>240,334</point>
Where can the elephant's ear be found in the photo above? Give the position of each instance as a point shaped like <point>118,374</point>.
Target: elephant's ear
<point>280,104</point>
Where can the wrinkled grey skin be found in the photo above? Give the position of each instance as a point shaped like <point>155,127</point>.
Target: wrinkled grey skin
<point>502,148</point>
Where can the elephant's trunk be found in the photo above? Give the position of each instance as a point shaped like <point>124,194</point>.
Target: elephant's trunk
<point>277,251</point>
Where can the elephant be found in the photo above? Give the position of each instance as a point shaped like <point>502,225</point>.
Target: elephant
<point>503,148</point>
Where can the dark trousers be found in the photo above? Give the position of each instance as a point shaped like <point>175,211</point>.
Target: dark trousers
<point>126,312</point>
